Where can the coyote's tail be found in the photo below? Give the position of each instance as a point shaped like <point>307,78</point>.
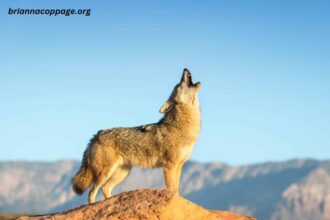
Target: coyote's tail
<point>84,177</point>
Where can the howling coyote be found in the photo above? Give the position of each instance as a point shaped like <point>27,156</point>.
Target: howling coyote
<point>111,153</point>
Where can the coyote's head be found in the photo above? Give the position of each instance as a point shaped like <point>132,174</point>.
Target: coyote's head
<point>185,93</point>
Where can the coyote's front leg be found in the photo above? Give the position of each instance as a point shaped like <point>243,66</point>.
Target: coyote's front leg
<point>169,176</point>
<point>177,177</point>
<point>172,177</point>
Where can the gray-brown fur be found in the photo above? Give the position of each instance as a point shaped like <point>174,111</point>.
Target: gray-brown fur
<point>168,144</point>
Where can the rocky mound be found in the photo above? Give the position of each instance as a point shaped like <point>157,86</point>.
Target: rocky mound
<point>143,204</point>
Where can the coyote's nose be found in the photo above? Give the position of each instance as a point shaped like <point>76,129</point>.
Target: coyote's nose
<point>185,70</point>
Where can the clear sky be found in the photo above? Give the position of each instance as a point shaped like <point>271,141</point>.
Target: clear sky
<point>264,68</point>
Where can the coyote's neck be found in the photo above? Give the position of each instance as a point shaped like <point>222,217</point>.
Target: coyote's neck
<point>186,118</point>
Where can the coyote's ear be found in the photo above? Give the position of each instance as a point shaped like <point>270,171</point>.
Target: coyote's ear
<point>166,107</point>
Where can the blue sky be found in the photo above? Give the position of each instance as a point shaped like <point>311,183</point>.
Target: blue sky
<point>264,68</point>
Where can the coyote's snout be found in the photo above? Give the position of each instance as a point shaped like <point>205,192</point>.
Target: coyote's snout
<point>111,153</point>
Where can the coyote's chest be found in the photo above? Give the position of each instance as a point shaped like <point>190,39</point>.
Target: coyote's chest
<point>185,152</point>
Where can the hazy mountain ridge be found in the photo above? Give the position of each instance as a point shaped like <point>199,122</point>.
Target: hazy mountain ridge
<point>295,189</point>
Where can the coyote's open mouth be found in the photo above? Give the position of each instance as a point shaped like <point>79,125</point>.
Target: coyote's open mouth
<point>189,78</point>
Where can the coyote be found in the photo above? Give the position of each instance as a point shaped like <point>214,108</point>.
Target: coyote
<point>111,153</point>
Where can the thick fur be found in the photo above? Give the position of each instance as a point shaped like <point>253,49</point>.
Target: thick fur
<point>84,178</point>
<point>168,144</point>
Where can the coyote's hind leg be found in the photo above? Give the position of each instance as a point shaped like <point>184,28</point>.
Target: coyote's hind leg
<point>118,176</point>
<point>104,175</point>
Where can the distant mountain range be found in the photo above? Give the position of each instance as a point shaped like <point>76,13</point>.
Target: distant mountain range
<point>291,190</point>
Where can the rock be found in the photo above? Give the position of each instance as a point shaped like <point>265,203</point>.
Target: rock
<point>143,204</point>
